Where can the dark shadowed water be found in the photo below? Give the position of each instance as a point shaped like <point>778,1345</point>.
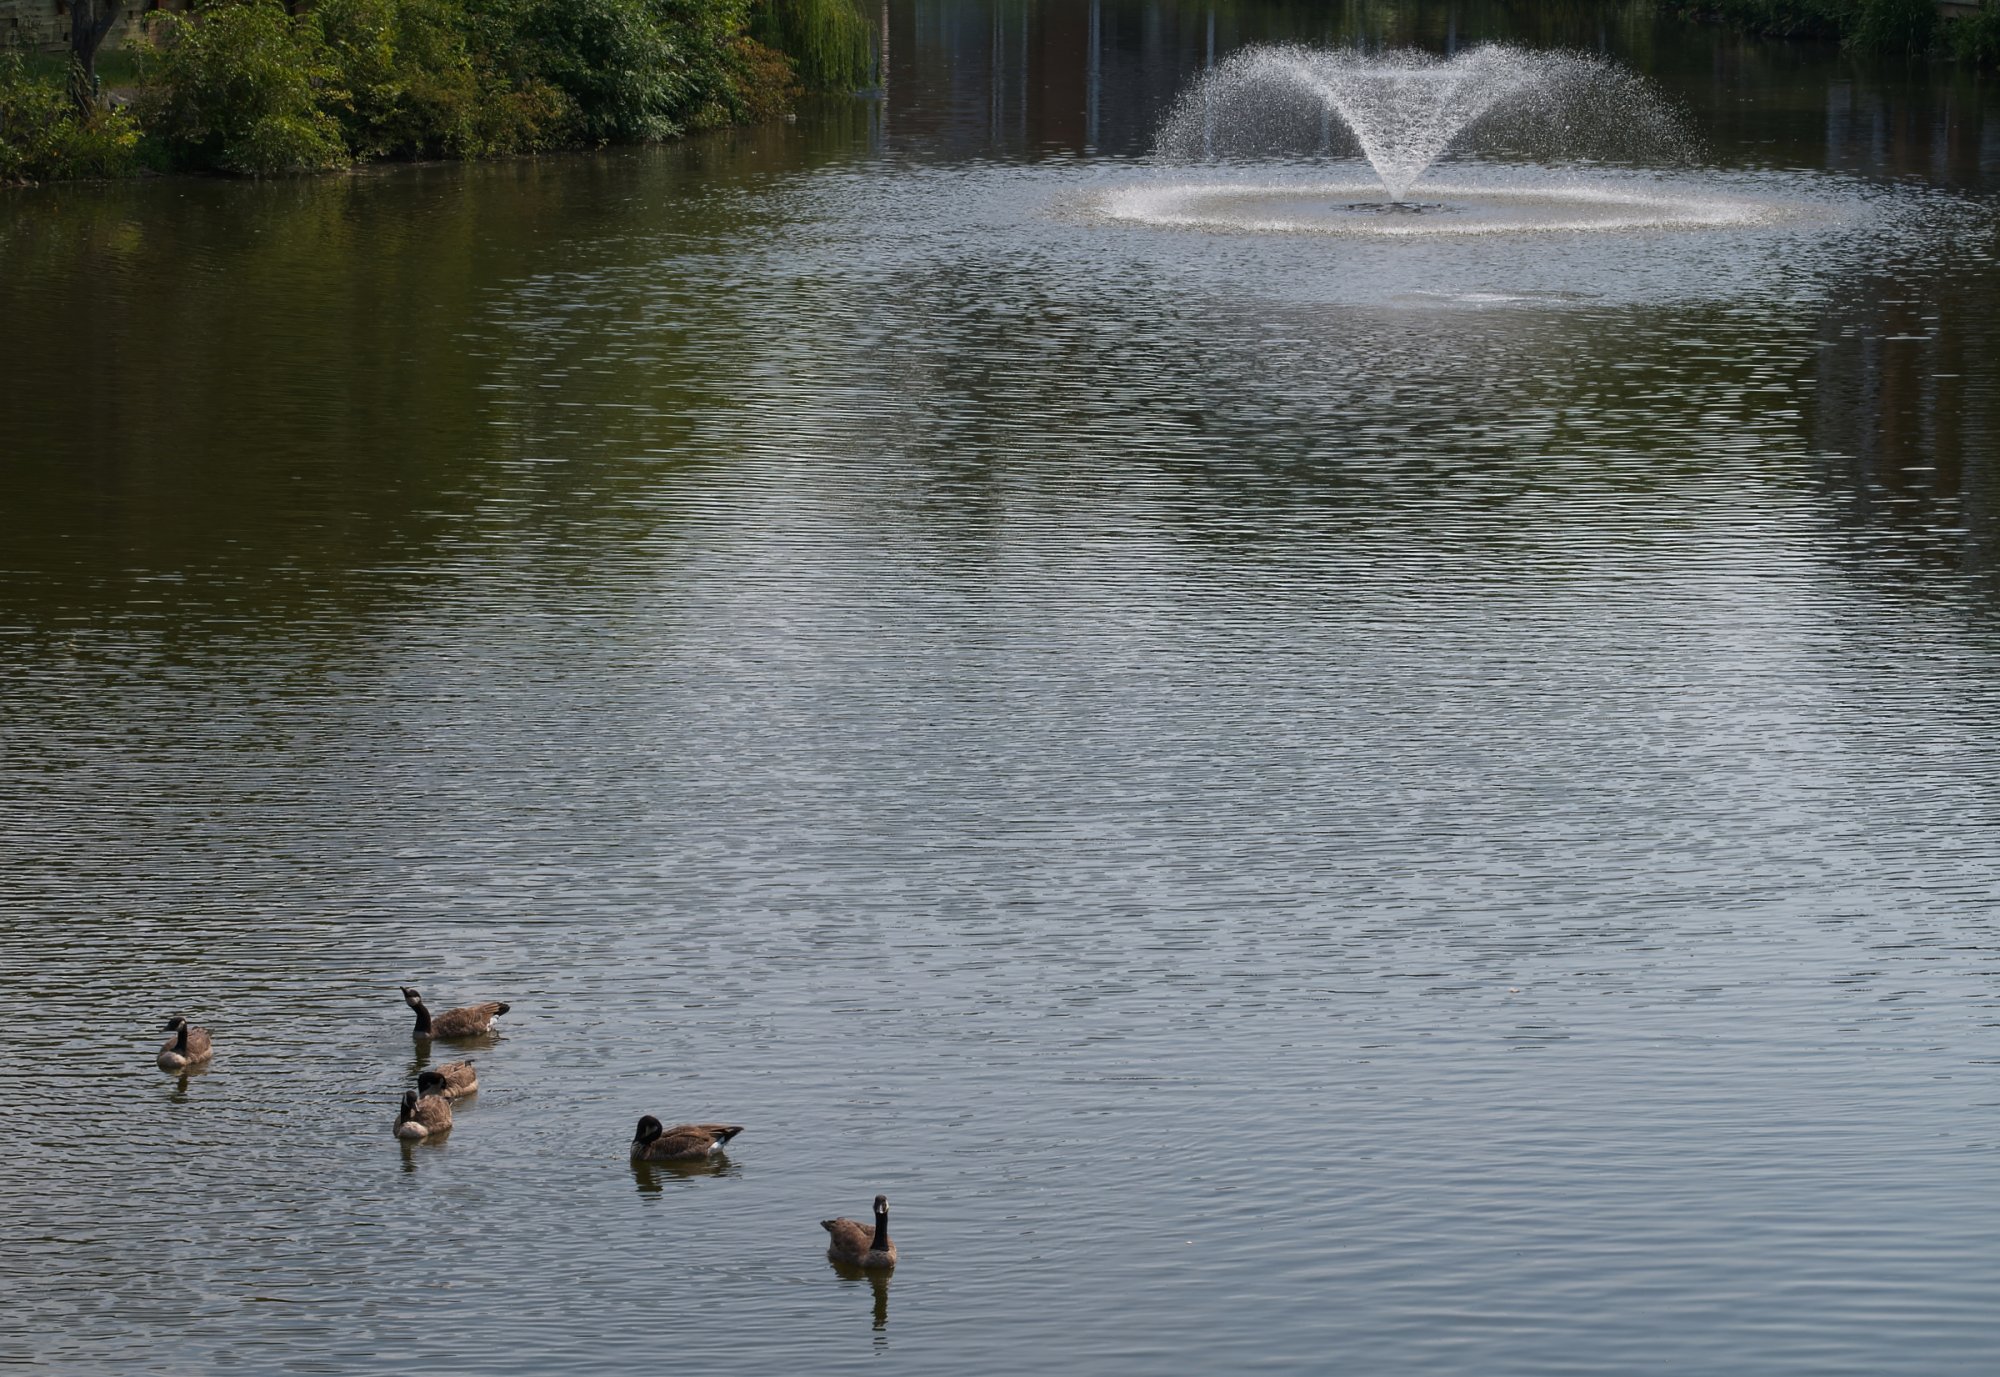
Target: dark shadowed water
<point>1300,802</point>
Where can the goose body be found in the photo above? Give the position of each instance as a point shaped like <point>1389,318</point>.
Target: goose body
<point>467,1022</point>
<point>426,1115</point>
<point>857,1244</point>
<point>682,1143</point>
<point>460,1079</point>
<point>189,1046</point>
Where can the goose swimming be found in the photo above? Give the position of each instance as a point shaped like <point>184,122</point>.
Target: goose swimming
<point>858,1245</point>
<point>189,1046</point>
<point>425,1110</point>
<point>467,1022</point>
<point>460,1079</point>
<point>682,1143</point>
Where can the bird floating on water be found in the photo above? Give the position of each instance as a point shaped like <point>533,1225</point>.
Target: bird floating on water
<point>460,1079</point>
<point>467,1022</point>
<point>859,1246</point>
<point>425,1112</point>
<point>189,1046</point>
<point>682,1143</point>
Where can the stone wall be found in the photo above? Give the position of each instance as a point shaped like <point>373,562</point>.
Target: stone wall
<point>42,26</point>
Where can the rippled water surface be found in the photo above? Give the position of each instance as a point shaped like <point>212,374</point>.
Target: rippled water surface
<point>1299,802</point>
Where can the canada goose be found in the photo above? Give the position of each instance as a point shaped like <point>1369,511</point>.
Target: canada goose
<point>189,1046</point>
<point>425,1116</point>
<point>468,1022</point>
<point>460,1079</point>
<point>859,1246</point>
<point>408,1125</point>
<point>682,1143</point>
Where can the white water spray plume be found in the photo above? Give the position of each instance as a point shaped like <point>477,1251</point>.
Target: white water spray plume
<point>1403,109</point>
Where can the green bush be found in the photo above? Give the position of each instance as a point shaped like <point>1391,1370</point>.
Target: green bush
<point>1902,27</point>
<point>408,75</point>
<point>1897,28</point>
<point>1771,18</point>
<point>765,80</point>
<point>43,138</point>
<point>708,33</point>
<point>242,86</point>
<point>633,70</point>
<point>830,42</point>
<point>1976,37</point>
<point>245,86</point>
<point>423,78</point>
<point>623,74</point>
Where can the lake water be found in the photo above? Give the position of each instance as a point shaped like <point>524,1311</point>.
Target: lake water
<point>1299,803</point>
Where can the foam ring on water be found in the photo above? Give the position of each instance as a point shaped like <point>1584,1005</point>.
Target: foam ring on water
<point>1362,208</point>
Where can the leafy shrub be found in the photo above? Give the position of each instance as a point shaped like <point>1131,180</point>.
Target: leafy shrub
<point>408,75</point>
<point>622,72</point>
<point>1976,37</point>
<point>766,82</point>
<point>1771,18</point>
<point>1905,27</point>
<point>638,70</point>
<point>706,33</point>
<point>1892,27</point>
<point>241,86</point>
<point>245,86</point>
<point>830,42</point>
<point>425,78</point>
<point>43,138</point>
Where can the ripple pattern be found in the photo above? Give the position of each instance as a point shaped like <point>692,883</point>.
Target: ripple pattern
<point>1431,817</point>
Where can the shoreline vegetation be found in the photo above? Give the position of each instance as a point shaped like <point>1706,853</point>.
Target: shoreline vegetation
<point>1886,28</point>
<point>265,88</point>
<point>252,88</point>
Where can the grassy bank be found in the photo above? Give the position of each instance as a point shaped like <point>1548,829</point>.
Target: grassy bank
<point>247,87</point>
<point>1895,28</point>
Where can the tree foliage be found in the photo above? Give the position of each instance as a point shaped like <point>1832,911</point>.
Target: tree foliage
<point>246,86</point>
<point>1889,28</point>
<point>419,83</point>
<point>1976,38</point>
<point>243,86</point>
<point>831,42</point>
<point>45,136</point>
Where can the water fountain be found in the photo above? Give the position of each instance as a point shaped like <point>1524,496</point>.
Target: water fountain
<point>1506,114</point>
<point>1403,108</point>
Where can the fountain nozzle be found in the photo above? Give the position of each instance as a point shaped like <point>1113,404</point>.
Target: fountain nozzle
<point>1396,207</point>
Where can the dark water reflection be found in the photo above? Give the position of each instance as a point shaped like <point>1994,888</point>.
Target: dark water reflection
<point>877,1282</point>
<point>654,1177</point>
<point>1424,809</point>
